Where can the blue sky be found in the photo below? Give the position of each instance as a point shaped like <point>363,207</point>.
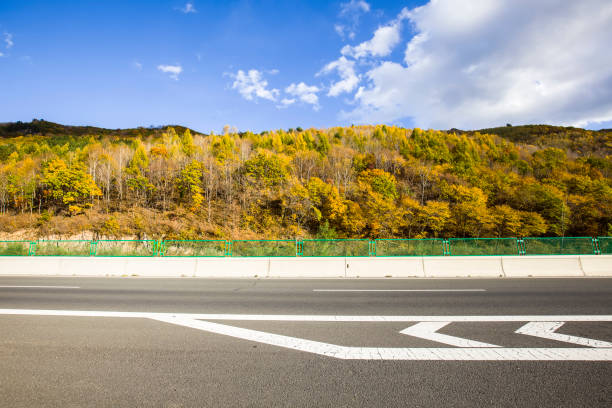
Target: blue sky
<point>260,65</point>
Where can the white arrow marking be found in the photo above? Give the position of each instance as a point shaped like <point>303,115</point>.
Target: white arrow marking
<point>427,331</point>
<point>546,330</point>
<point>384,353</point>
<point>492,353</point>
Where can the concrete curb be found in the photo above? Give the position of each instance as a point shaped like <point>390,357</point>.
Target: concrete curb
<point>305,267</point>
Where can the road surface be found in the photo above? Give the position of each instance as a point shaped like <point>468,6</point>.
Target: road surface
<point>198,342</point>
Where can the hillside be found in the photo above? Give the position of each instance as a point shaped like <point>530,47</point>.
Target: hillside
<point>359,181</point>
<point>45,128</point>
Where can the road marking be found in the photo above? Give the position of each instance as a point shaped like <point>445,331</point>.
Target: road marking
<point>385,353</point>
<point>399,290</point>
<point>546,330</point>
<point>315,318</point>
<point>41,286</point>
<point>470,353</point>
<point>427,331</point>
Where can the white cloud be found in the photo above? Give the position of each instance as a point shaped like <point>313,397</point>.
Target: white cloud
<point>1,54</point>
<point>286,102</point>
<point>346,70</point>
<point>251,85</point>
<point>138,66</point>
<point>305,93</point>
<point>482,63</point>
<point>382,43</point>
<point>172,70</point>
<point>189,8</point>
<point>354,6</point>
<point>350,12</point>
<point>8,40</point>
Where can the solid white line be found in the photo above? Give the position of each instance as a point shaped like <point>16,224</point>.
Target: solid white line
<point>427,331</point>
<point>315,318</point>
<point>399,290</point>
<point>546,330</point>
<point>385,353</point>
<point>41,286</point>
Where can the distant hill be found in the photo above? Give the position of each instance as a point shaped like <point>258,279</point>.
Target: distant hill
<point>45,128</point>
<point>579,140</point>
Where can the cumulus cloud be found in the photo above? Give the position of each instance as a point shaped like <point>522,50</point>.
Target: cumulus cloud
<point>305,93</point>
<point>482,63</point>
<point>380,45</point>
<point>189,8</point>
<point>172,70</point>
<point>252,85</point>
<point>346,70</point>
<point>8,40</point>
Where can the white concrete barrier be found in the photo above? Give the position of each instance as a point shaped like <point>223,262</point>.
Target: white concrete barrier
<point>545,265</point>
<point>232,267</point>
<point>463,266</point>
<point>306,267</point>
<point>384,267</point>
<point>85,267</point>
<point>596,265</point>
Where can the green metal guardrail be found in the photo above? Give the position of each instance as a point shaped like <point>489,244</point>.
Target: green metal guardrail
<point>337,247</point>
<point>312,247</point>
<point>15,248</point>
<point>261,247</point>
<point>125,247</point>
<point>604,245</point>
<point>187,248</point>
<point>560,246</point>
<point>483,246</point>
<point>57,247</point>
<point>410,247</point>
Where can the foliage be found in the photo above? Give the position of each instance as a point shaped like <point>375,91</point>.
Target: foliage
<point>350,182</point>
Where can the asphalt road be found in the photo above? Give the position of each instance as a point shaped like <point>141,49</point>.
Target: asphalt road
<point>70,361</point>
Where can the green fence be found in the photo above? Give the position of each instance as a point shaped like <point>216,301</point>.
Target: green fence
<point>56,247</point>
<point>313,247</point>
<point>483,246</point>
<point>15,248</point>
<point>210,248</point>
<point>336,247</point>
<point>410,247</point>
<point>604,245</point>
<point>257,247</point>
<point>125,247</point>
<point>559,246</point>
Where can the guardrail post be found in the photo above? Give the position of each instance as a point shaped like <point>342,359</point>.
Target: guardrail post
<point>93,247</point>
<point>372,248</point>
<point>228,248</point>
<point>596,248</point>
<point>299,248</point>
<point>32,248</point>
<point>446,248</point>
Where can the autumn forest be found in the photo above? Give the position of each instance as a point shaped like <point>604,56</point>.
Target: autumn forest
<point>344,182</point>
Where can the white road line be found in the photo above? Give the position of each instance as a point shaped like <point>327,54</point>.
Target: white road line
<point>427,331</point>
<point>399,290</point>
<point>384,353</point>
<point>546,330</point>
<point>472,353</point>
<point>314,318</point>
<point>41,286</point>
